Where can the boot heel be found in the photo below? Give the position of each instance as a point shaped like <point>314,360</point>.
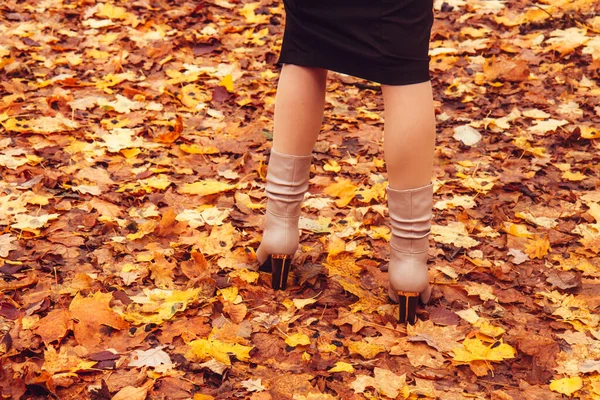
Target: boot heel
<point>408,307</point>
<point>280,268</point>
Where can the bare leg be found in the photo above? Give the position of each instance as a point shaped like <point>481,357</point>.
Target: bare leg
<point>409,135</point>
<point>409,141</point>
<point>299,108</point>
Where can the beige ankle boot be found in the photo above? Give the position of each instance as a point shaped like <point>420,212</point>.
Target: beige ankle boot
<point>287,182</point>
<point>410,214</point>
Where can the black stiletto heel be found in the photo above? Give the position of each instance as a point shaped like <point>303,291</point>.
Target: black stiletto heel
<point>408,306</point>
<point>280,268</point>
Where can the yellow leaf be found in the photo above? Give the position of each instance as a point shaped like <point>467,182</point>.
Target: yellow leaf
<point>297,339</point>
<point>573,176</point>
<point>517,230</point>
<point>488,329</point>
<point>112,12</point>
<point>144,229</point>
<point>522,143</point>
<point>64,361</point>
<point>229,293</point>
<point>245,275</point>
<point>158,305</point>
<point>480,184</point>
<point>332,165</point>
<point>130,153</point>
<point>306,356</point>
<point>343,264</point>
<point>588,132</point>
<point>203,349</point>
<point>566,386</point>
<point>200,396</point>
<point>159,182</point>
<point>335,246</point>
<point>244,200</point>
<point>376,192</point>
<point>475,350</point>
<point>227,83</point>
<point>380,232</point>
<point>343,189</point>
<point>193,96</point>
<point>367,350</point>
<point>206,188</point>
<point>251,18</point>
<point>197,149</point>
<point>301,303</point>
<point>341,366</point>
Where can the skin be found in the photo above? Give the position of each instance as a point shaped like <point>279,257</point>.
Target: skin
<point>409,130</point>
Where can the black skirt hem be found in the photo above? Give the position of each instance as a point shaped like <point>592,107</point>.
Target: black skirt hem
<point>412,71</point>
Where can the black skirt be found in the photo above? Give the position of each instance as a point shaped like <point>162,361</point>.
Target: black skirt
<point>385,41</point>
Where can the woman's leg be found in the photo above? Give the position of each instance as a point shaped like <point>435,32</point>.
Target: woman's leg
<point>409,135</point>
<point>298,116</point>
<point>299,108</point>
<point>409,140</point>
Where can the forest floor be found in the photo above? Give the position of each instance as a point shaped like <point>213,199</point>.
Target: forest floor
<point>133,145</point>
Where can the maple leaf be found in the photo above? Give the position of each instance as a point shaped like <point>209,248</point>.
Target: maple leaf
<point>150,358</point>
<point>158,305</point>
<point>366,350</point>
<point>538,247</point>
<point>385,382</point>
<point>65,360</point>
<point>474,350</point>
<point>201,349</point>
<point>454,233</point>
<point>566,41</point>
<point>441,338</point>
<point>343,189</point>
<point>90,313</point>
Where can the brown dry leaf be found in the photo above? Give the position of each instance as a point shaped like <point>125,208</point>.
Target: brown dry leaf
<point>441,338</point>
<point>134,393</point>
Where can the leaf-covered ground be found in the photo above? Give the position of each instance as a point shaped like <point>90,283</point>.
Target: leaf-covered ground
<point>133,143</point>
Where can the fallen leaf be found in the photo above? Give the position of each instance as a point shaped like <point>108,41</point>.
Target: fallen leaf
<point>566,386</point>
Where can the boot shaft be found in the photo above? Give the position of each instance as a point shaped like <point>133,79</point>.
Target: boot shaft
<point>410,214</point>
<point>287,182</point>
